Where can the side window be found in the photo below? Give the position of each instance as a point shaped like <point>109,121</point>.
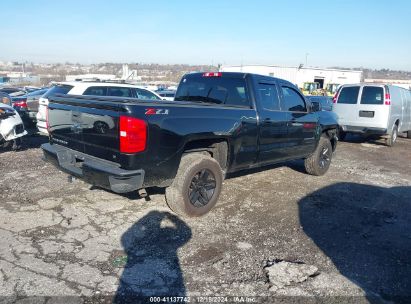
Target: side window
<point>292,100</point>
<point>268,96</point>
<point>97,91</point>
<point>119,92</point>
<point>144,94</point>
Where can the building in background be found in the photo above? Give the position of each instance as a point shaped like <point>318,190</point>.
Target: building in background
<point>90,77</point>
<point>308,79</point>
<point>403,83</point>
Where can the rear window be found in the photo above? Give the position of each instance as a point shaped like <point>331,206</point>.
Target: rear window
<point>372,95</point>
<point>58,89</point>
<point>119,92</point>
<point>146,95</point>
<point>96,91</point>
<point>348,95</point>
<point>218,90</point>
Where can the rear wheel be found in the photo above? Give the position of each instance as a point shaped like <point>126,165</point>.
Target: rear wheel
<point>196,187</point>
<point>392,139</point>
<point>319,162</point>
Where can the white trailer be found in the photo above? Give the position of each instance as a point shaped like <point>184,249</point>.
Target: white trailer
<point>300,75</point>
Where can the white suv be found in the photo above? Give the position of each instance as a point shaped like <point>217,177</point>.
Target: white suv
<point>90,88</point>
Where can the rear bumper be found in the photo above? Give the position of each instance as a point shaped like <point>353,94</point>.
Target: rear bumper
<point>363,130</point>
<point>93,170</point>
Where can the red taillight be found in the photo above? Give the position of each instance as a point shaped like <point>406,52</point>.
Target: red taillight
<point>387,99</point>
<point>335,97</point>
<point>213,74</point>
<point>133,135</point>
<point>20,104</point>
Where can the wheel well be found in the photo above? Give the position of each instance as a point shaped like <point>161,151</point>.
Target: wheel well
<point>397,122</point>
<point>332,136</point>
<point>217,149</point>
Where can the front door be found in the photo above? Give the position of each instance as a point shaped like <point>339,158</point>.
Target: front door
<point>272,124</point>
<point>303,126</point>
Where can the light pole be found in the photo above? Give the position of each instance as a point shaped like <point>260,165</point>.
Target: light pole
<point>306,59</point>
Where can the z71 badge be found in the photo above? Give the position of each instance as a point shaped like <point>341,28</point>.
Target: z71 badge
<point>152,111</point>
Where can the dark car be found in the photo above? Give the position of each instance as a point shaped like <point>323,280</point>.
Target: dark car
<point>27,105</point>
<point>325,103</point>
<point>218,123</point>
<point>9,90</point>
<point>33,102</point>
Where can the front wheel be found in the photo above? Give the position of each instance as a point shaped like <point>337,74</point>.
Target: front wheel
<point>196,187</point>
<point>319,162</point>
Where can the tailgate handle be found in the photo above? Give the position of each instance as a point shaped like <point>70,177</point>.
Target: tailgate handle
<point>369,114</point>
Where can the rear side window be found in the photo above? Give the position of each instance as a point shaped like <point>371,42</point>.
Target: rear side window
<point>58,89</point>
<point>268,96</point>
<point>119,92</point>
<point>293,101</point>
<point>372,95</point>
<point>146,95</point>
<point>348,95</point>
<point>217,90</point>
<point>97,91</point>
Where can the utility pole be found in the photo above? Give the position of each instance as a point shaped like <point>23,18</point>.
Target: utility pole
<point>306,59</point>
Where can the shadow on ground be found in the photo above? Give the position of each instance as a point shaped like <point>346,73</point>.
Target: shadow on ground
<point>366,231</point>
<point>152,267</point>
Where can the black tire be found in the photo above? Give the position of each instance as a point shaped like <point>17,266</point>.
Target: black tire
<point>409,134</point>
<point>17,144</point>
<point>392,139</point>
<point>319,162</point>
<point>190,194</point>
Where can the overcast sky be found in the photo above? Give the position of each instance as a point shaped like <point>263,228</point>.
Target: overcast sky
<point>375,34</point>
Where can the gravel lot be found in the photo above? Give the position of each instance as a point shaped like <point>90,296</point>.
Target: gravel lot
<point>276,233</point>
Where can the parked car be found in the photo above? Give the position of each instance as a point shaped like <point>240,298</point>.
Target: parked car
<point>325,103</point>
<point>373,109</point>
<point>218,123</point>
<point>90,88</point>
<point>11,127</point>
<point>10,90</point>
<point>167,94</point>
<point>33,103</point>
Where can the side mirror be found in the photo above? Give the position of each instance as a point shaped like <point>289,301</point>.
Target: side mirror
<point>315,106</point>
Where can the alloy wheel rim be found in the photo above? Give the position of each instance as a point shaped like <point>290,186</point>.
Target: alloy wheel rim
<point>325,157</point>
<point>202,188</point>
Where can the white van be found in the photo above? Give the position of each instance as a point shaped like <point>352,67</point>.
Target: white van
<point>373,109</point>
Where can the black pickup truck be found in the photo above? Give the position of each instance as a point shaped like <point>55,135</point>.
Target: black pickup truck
<point>218,123</point>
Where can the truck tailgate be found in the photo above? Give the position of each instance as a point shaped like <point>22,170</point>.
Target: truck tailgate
<point>87,125</point>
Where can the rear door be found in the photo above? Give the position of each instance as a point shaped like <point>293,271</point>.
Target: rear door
<point>346,106</point>
<point>272,123</point>
<point>372,112</point>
